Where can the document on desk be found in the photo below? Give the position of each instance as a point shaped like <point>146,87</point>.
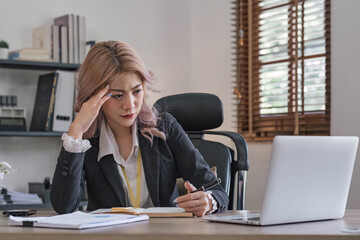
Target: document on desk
<point>76,220</point>
<point>151,212</point>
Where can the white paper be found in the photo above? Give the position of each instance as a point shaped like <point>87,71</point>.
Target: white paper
<point>78,220</point>
<point>351,230</point>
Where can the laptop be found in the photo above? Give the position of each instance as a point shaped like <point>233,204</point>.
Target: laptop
<point>308,180</point>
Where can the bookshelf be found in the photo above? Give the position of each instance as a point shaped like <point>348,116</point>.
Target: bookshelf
<point>44,206</point>
<point>32,65</point>
<point>29,134</point>
<point>42,66</point>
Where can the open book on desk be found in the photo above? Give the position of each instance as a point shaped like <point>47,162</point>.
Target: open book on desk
<point>76,220</point>
<point>151,212</point>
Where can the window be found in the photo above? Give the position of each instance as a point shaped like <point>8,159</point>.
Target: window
<point>282,67</point>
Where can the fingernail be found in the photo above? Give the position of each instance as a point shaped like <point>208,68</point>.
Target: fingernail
<point>175,200</point>
<point>107,86</point>
<point>109,95</point>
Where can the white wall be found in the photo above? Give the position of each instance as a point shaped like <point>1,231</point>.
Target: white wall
<point>211,53</point>
<point>187,44</point>
<point>345,79</point>
<point>158,29</point>
<point>172,36</point>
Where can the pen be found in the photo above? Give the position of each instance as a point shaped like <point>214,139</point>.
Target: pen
<point>205,187</point>
<point>209,185</point>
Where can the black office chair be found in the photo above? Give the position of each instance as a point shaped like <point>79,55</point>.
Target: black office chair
<point>198,112</point>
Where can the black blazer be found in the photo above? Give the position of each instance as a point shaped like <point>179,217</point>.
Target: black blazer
<point>163,162</point>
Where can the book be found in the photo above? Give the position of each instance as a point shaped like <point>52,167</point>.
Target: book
<point>75,220</point>
<point>47,37</point>
<point>64,58</point>
<point>33,54</point>
<point>42,38</point>
<point>44,102</point>
<point>76,37</point>
<point>55,42</point>
<point>64,101</point>
<point>82,39</point>
<point>151,212</point>
<point>67,21</point>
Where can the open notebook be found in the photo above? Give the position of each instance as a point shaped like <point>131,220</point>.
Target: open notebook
<point>151,212</point>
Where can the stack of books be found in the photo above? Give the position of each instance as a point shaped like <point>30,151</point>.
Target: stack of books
<point>71,36</point>
<point>63,42</point>
<point>11,197</point>
<point>31,54</point>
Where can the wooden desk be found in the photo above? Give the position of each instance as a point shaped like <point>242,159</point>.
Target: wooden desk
<point>191,228</point>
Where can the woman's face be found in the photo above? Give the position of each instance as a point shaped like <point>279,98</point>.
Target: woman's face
<point>125,102</point>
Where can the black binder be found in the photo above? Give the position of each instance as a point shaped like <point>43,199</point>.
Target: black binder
<point>44,103</point>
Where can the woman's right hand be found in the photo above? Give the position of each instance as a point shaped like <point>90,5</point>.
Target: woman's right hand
<point>88,113</point>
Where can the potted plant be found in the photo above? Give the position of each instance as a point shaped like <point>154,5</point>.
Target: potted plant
<point>4,50</point>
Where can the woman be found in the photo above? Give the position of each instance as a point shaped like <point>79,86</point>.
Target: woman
<point>125,153</point>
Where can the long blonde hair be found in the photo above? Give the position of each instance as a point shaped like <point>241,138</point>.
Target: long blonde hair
<point>104,62</point>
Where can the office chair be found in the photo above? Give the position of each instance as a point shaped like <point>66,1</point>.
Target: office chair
<point>197,113</point>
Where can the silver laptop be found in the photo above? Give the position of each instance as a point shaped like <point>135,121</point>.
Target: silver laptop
<point>308,180</point>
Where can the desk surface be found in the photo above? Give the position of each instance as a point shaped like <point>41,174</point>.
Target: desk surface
<point>191,228</point>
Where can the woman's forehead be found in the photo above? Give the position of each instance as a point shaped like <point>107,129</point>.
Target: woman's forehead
<point>125,80</point>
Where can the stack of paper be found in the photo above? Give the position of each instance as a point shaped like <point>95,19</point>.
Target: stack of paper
<point>76,220</point>
<point>12,197</point>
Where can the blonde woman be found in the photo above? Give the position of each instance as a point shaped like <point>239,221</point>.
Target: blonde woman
<point>119,146</point>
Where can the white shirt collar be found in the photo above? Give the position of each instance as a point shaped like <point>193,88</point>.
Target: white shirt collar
<point>108,144</point>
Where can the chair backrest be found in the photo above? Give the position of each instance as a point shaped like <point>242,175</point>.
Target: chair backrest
<point>197,113</point>
<point>212,153</point>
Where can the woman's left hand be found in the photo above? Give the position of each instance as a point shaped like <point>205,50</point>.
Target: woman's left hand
<point>197,203</point>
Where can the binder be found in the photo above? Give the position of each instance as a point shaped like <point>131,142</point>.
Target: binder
<point>64,101</point>
<point>44,102</point>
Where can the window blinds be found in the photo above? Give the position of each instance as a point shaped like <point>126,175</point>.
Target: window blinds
<point>282,70</point>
